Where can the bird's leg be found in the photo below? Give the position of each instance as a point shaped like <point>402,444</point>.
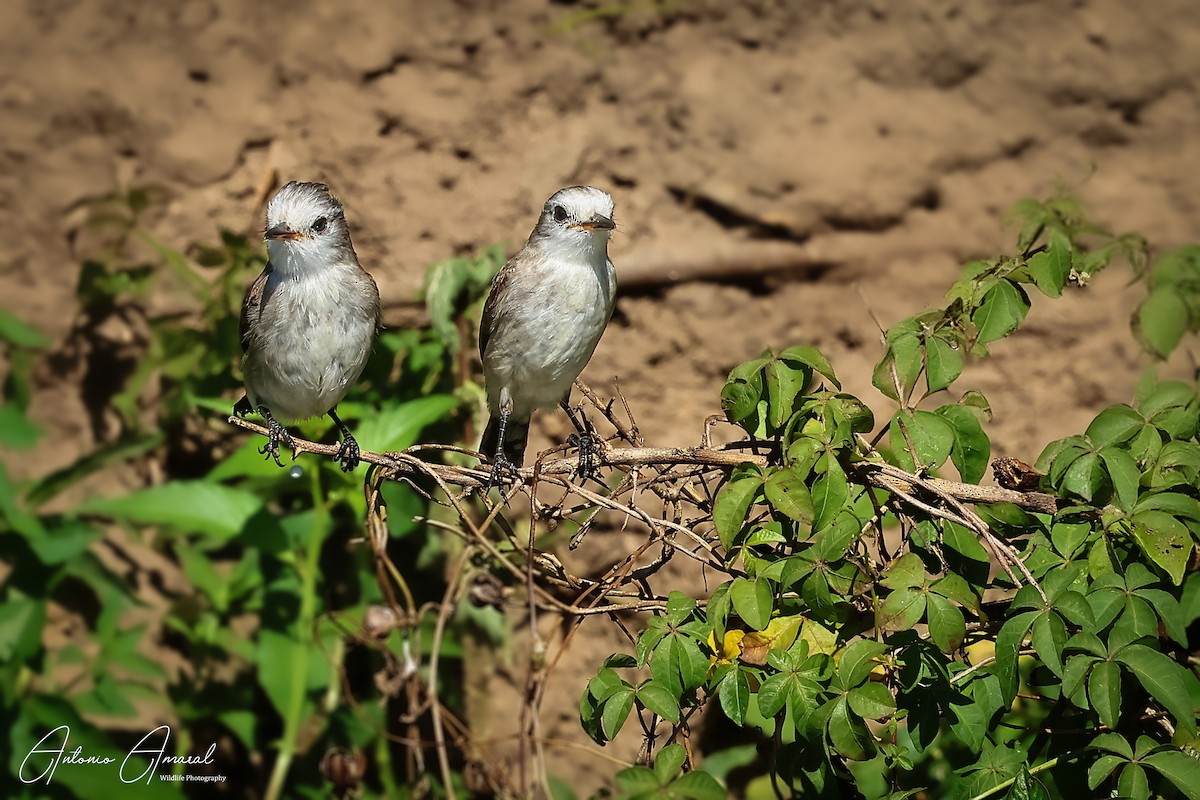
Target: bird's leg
<point>242,407</point>
<point>276,433</point>
<point>591,446</point>
<point>348,453</point>
<point>503,469</point>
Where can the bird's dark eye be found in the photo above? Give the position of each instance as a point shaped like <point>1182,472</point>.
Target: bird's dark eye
<point>320,224</point>
<point>559,213</point>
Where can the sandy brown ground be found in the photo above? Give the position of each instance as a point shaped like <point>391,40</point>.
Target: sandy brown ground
<point>822,145</point>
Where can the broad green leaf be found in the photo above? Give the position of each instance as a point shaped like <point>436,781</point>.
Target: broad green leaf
<point>1048,637</point>
<point>753,601</point>
<point>901,610</point>
<point>1165,540</point>
<point>616,711</point>
<point>1114,425</point>
<point>872,701</point>
<point>1008,646</point>
<point>1160,677</point>
<point>905,354</point>
<point>1050,268</point>
<point>1085,476</point>
<point>1124,474</point>
<point>399,426</point>
<point>669,761</point>
<point>774,692</point>
<point>947,627</point>
<point>905,572</point>
<point>931,435</point>
<point>734,694</point>
<point>788,494</point>
<point>858,660</point>
<point>188,506</point>
<point>1002,310</point>
<point>732,503</point>
<point>848,735</point>
<point>784,383</point>
<point>637,781</point>
<point>605,684</point>
<point>813,358</point>
<point>696,785</point>
<point>659,700</point>
<point>971,451</point>
<point>1104,691</point>
<point>943,363</point>
<point>1133,784</point>
<point>830,494</point>
<point>14,331</point>
<point>1161,321</point>
<point>1180,769</point>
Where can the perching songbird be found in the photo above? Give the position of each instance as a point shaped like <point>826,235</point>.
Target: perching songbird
<point>545,313</point>
<point>309,320</point>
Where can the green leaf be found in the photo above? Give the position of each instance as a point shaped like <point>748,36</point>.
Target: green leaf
<point>734,694</point>
<point>905,354</point>
<point>1084,477</point>
<point>1161,678</point>
<point>931,435</point>
<point>1124,474</point>
<point>660,700</point>
<point>1008,646</point>
<point>858,660</point>
<point>788,494</point>
<point>14,331</point>
<point>946,624</point>
<point>697,785</point>
<point>1161,321</point>
<point>971,451</point>
<point>1114,425</point>
<point>848,735</point>
<point>905,572</point>
<point>813,358</point>
<point>637,781</point>
<point>1003,308</point>
<point>1051,267</point>
<point>943,363</point>
<point>872,701</point>
<point>17,431</point>
<point>829,496</point>
<point>901,610</point>
<point>1132,784</point>
<point>732,503</point>
<point>1165,540</point>
<point>1104,692</point>
<point>784,383</point>
<point>669,761</point>
<point>1180,769</point>
<point>753,601</point>
<point>616,711</point>
<point>188,506</point>
<point>396,427</point>
<point>1048,637</point>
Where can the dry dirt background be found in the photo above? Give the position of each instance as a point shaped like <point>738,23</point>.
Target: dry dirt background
<point>781,153</point>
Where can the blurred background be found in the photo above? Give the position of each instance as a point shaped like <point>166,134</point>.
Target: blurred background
<point>782,171</point>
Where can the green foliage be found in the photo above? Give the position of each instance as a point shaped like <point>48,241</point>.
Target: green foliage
<point>871,642</point>
<point>262,591</point>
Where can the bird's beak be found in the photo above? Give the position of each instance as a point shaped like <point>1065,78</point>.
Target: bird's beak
<point>281,232</point>
<point>599,222</point>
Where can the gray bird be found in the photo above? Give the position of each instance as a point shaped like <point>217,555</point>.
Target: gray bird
<point>545,313</point>
<point>308,321</point>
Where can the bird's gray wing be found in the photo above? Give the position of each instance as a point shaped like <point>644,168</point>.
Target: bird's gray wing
<point>252,306</point>
<point>491,307</point>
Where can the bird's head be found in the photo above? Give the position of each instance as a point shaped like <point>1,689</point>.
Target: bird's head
<point>577,217</point>
<point>306,228</point>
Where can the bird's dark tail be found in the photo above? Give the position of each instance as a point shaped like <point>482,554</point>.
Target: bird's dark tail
<point>516,436</point>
